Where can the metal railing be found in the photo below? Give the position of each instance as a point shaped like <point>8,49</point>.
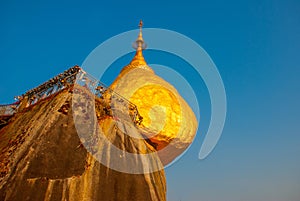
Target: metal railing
<point>118,104</point>
<point>75,75</point>
<point>52,86</point>
<point>8,110</point>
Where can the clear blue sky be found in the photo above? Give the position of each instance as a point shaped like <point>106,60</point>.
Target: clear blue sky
<point>255,46</point>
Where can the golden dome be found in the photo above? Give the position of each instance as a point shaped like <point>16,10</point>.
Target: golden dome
<point>167,118</point>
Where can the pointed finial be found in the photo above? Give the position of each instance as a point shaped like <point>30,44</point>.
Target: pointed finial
<point>141,24</point>
<point>139,43</point>
<point>138,61</point>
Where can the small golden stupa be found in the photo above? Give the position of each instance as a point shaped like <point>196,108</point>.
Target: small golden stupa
<point>167,118</point>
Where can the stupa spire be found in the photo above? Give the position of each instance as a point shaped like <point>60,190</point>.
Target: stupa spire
<point>139,45</point>
<point>138,60</point>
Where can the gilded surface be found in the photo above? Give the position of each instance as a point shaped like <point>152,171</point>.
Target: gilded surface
<point>166,115</point>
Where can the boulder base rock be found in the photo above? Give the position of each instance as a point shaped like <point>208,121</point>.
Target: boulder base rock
<point>42,158</point>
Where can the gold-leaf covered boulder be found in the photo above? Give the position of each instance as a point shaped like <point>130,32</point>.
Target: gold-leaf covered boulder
<point>168,121</point>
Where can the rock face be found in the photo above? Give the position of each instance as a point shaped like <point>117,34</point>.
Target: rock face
<point>168,121</point>
<point>42,158</point>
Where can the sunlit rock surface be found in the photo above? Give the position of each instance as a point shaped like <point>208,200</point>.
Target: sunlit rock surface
<point>168,121</point>
<point>42,158</point>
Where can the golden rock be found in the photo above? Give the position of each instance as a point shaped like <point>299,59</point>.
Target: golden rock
<point>167,118</point>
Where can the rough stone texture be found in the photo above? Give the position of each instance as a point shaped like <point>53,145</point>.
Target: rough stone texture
<point>42,158</point>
